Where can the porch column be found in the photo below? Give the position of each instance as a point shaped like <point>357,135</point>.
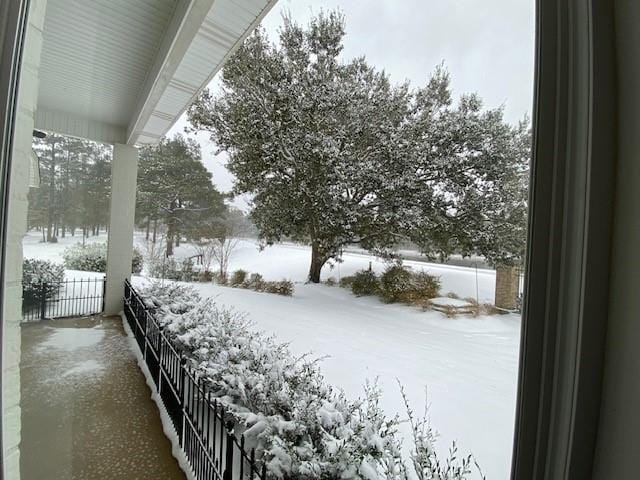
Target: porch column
<point>124,170</point>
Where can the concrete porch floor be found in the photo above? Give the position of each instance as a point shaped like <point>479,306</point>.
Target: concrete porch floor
<point>86,409</point>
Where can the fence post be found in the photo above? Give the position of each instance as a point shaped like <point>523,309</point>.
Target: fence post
<point>183,400</point>
<point>228,463</point>
<point>43,300</point>
<point>104,292</point>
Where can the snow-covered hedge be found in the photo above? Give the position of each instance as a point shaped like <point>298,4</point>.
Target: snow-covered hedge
<point>301,426</point>
<point>93,258</point>
<point>35,273</point>
<point>171,269</point>
<point>396,284</point>
<point>365,282</point>
<point>399,284</point>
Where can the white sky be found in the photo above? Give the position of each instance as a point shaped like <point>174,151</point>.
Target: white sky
<point>487,45</point>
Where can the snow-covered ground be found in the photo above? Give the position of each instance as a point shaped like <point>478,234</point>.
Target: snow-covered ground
<point>292,262</point>
<point>468,365</point>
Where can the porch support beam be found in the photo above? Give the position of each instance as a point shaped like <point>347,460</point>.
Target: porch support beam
<point>124,169</point>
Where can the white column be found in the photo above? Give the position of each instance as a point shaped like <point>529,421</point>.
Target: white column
<point>124,170</point>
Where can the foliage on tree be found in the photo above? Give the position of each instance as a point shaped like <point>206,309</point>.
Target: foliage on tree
<point>334,154</point>
<point>175,189</point>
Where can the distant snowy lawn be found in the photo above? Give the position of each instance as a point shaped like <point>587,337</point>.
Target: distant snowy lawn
<point>468,364</point>
<point>292,262</point>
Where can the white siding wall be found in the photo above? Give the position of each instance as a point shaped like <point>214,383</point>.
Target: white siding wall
<point>17,226</point>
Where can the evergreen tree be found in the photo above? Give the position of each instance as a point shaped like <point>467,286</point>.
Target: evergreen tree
<point>175,189</point>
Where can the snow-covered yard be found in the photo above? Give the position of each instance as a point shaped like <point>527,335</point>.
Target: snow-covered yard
<point>469,365</point>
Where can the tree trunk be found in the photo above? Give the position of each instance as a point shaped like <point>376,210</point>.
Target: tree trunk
<point>52,190</point>
<point>171,227</point>
<point>177,239</point>
<point>317,261</point>
<point>155,230</point>
<point>148,228</point>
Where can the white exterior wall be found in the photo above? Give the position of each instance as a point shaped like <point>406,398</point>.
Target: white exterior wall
<point>17,227</point>
<point>124,171</point>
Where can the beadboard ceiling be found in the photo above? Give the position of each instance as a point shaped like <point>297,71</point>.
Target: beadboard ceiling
<point>123,71</point>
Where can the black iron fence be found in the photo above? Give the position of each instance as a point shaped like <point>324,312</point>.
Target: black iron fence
<point>205,429</point>
<point>68,298</point>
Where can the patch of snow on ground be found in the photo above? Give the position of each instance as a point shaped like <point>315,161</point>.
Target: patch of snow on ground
<point>86,367</point>
<point>71,339</point>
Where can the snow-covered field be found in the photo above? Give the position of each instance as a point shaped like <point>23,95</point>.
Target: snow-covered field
<point>468,365</point>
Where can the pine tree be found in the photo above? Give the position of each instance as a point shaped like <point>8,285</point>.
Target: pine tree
<point>175,188</point>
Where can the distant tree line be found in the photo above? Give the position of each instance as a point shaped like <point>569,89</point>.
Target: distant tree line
<point>75,187</point>
<point>334,154</point>
<point>176,198</point>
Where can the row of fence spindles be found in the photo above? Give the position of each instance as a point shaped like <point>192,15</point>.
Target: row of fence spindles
<point>207,440</point>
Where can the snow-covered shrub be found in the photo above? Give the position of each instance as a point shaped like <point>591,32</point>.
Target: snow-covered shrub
<point>330,282</point>
<point>205,276</point>
<point>238,277</point>
<point>282,287</point>
<point>426,286</point>
<point>398,284</point>
<point>93,258</point>
<point>365,282</point>
<point>168,299</point>
<point>255,281</point>
<point>40,277</point>
<point>171,269</point>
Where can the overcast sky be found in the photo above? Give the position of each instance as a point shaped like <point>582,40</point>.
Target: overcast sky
<point>487,46</point>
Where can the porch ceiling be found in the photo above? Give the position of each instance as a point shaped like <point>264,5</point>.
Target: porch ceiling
<point>123,71</point>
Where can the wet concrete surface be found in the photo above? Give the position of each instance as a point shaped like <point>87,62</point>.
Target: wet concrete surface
<point>86,409</point>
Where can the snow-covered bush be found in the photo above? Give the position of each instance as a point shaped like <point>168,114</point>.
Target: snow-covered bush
<point>398,284</point>
<point>254,282</point>
<point>172,269</point>
<point>238,277</point>
<point>93,258</point>
<point>169,298</point>
<point>40,277</point>
<point>331,282</point>
<point>365,282</point>
<point>282,287</point>
<point>301,427</point>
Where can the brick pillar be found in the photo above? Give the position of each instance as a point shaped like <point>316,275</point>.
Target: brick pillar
<point>507,278</point>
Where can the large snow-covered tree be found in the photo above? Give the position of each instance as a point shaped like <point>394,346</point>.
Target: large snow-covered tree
<point>315,140</point>
<point>334,154</point>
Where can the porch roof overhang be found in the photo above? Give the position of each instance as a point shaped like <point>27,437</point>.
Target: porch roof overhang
<point>122,71</point>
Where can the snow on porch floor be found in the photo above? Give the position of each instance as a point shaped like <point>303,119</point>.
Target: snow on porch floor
<point>87,412</point>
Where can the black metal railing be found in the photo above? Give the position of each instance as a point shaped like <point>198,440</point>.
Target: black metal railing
<point>67,298</point>
<point>204,427</point>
